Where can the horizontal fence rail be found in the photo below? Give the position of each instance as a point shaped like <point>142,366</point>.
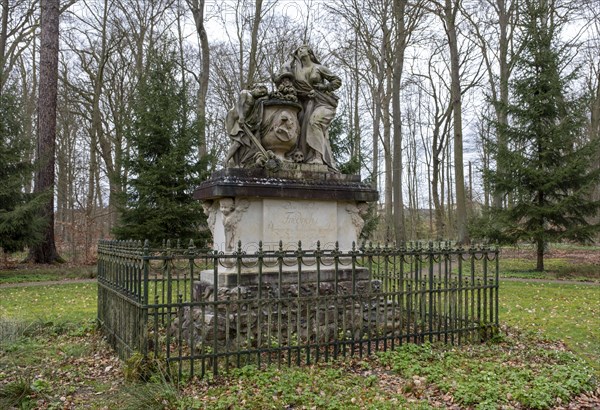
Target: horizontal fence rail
<point>203,311</point>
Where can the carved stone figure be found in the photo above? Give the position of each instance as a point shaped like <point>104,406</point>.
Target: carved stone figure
<point>289,125</point>
<point>210,210</point>
<point>232,214</point>
<point>314,84</point>
<point>248,112</point>
<point>357,214</point>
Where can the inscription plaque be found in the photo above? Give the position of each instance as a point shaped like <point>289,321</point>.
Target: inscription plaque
<point>306,221</point>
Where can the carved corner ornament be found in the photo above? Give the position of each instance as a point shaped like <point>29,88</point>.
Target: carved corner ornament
<point>357,213</point>
<point>210,210</point>
<point>232,211</point>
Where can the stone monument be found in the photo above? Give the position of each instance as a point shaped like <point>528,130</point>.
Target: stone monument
<point>280,187</point>
<point>280,182</point>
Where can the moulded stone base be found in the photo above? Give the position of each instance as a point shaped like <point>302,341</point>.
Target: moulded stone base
<point>270,277</point>
<point>322,312</point>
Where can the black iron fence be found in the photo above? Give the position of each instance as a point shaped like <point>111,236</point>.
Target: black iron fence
<point>203,311</point>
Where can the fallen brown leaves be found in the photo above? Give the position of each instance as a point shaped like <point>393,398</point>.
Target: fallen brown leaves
<point>580,256</point>
<point>75,372</point>
<point>586,401</point>
<point>83,372</point>
<point>414,389</point>
<point>417,388</point>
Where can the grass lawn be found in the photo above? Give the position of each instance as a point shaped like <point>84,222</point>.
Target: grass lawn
<point>29,273</point>
<point>556,269</point>
<point>72,367</point>
<point>74,302</point>
<point>63,362</point>
<point>557,311</point>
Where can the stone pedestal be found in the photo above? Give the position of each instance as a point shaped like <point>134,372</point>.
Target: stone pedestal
<point>298,203</point>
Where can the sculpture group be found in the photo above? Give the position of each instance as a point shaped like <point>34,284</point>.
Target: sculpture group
<point>280,185</point>
<point>289,124</point>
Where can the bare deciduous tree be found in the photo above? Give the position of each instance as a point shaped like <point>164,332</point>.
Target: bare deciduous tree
<point>406,18</point>
<point>493,24</point>
<point>17,32</point>
<point>197,7</point>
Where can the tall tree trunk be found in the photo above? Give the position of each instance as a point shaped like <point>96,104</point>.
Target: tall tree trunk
<point>399,48</point>
<point>62,189</point>
<point>107,146</point>
<point>451,210</point>
<point>30,98</point>
<point>70,216</point>
<point>439,144</point>
<point>252,58</point>
<point>381,109</point>
<point>540,255</point>
<point>355,151</point>
<point>429,201</point>
<point>435,193</point>
<point>451,10</point>
<point>595,126</point>
<point>376,136</point>
<point>91,194</point>
<point>197,8</point>
<point>539,237</point>
<point>387,150</point>
<point>501,114</point>
<point>414,187</point>
<point>3,40</point>
<point>46,252</point>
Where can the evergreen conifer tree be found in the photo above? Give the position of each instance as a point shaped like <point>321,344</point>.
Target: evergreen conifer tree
<point>348,164</point>
<point>20,223</point>
<point>340,147</point>
<point>545,169</point>
<point>158,203</point>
